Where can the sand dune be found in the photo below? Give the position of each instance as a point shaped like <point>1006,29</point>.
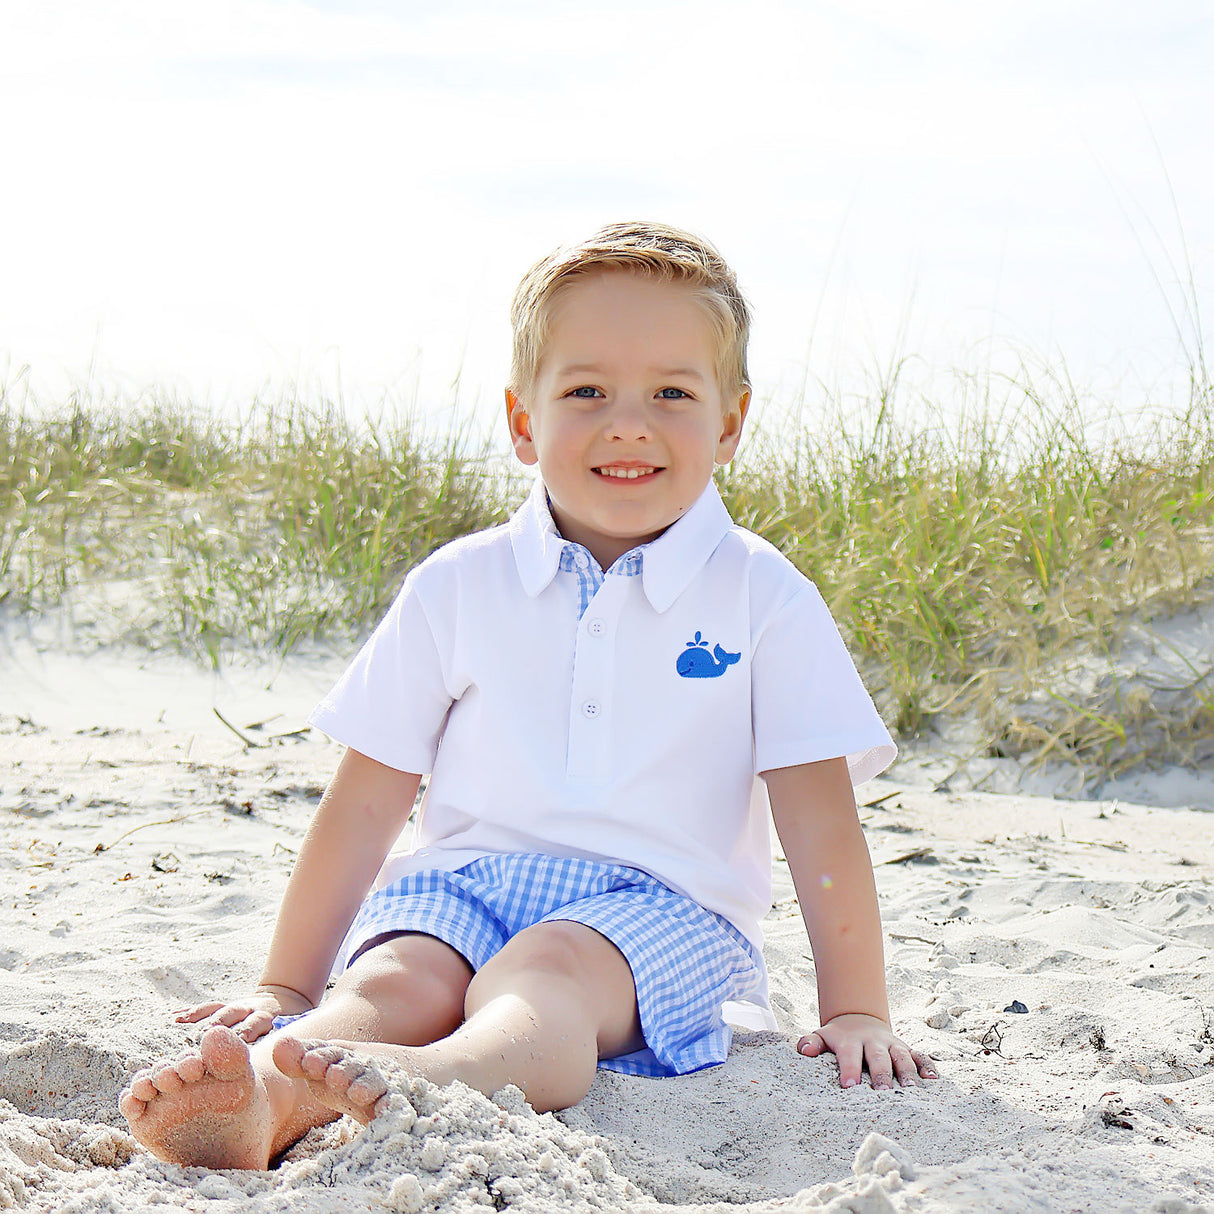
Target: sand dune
<point>144,847</point>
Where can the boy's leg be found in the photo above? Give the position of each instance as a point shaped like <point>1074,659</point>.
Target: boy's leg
<point>226,1105</point>
<point>540,1014</point>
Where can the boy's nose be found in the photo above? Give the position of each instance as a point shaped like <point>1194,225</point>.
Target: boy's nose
<point>628,421</point>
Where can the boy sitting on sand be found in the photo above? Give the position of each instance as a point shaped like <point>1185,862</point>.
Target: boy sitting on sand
<point>592,688</point>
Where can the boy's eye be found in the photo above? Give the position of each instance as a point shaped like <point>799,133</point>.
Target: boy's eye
<point>671,394</point>
<point>584,393</point>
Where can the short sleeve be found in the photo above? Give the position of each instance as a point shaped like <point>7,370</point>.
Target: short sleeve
<point>392,701</point>
<point>808,701</point>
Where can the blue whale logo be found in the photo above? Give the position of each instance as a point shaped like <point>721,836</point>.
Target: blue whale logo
<point>695,662</point>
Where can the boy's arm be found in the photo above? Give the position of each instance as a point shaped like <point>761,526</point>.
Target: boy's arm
<point>814,809</point>
<point>362,812</point>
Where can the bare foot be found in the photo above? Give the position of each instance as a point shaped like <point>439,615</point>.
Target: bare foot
<point>207,1109</point>
<point>336,1075</point>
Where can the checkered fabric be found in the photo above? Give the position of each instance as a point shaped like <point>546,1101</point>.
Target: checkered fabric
<point>685,961</point>
<point>577,560</point>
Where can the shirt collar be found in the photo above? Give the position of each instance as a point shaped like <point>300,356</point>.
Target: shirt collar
<point>671,561</point>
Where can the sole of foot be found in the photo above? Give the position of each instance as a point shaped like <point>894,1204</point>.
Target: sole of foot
<point>204,1109</point>
<point>338,1077</point>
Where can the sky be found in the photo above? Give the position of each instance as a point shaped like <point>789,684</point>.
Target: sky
<point>250,197</point>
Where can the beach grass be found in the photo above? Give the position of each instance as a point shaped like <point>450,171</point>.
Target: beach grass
<point>967,557</point>
<point>162,524</point>
<point>962,550</point>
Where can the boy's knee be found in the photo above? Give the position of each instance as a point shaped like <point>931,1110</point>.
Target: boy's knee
<point>560,949</point>
<point>574,959</point>
<point>431,980</point>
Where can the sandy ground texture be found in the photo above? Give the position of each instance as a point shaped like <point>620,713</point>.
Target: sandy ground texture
<point>1054,956</point>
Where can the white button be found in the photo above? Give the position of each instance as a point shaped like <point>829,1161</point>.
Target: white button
<point>591,709</point>
<point>596,628</point>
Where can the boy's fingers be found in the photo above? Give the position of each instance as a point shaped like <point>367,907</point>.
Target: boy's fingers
<point>851,1058</point>
<point>880,1066</point>
<point>926,1067</point>
<point>906,1069</point>
<point>230,1016</point>
<point>258,1024</point>
<point>189,1015</point>
<point>811,1045</point>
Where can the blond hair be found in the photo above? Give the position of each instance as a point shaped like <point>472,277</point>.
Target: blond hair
<point>651,250</point>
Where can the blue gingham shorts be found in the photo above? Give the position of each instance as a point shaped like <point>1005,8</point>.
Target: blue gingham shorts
<point>685,961</point>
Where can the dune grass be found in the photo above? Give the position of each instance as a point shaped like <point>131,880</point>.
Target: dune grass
<point>961,555</point>
<point>166,526</point>
<point>965,557</point>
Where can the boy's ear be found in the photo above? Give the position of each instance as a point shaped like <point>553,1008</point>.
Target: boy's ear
<point>519,422</point>
<point>731,428</point>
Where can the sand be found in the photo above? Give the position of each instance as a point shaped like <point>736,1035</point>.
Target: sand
<point>144,846</point>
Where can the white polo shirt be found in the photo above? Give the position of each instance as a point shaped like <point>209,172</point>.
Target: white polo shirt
<point>633,734</point>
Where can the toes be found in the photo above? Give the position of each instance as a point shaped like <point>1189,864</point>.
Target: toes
<point>318,1063</point>
<point>191,1068</point>
<point>368,1086</point>
<point>167,1080</point>
<point>130,1106</point>
<point>294,1057</point>
<point>142,1087</point>
<point>340,1074</point>
<point>355,1080</point>
<point>345,1075</point>
<point>226,1056</point>
<point>288,1053</point>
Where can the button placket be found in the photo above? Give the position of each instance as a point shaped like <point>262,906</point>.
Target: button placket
<point>593,680</point>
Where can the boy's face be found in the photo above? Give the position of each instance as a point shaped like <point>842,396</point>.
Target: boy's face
<point>626,417</point>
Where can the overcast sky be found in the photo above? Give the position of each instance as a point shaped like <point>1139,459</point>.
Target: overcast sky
<point>216,198</point>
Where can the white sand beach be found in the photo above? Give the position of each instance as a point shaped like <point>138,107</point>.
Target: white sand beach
<point>1055,957</point>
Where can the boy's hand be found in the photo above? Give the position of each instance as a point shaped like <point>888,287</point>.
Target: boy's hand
<point>250,1018</point>
<point>859,1042</point>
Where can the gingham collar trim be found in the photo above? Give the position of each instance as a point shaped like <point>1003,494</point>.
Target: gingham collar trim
<point>670,563</point>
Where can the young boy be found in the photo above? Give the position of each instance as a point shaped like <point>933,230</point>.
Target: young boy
<point>592,689</point>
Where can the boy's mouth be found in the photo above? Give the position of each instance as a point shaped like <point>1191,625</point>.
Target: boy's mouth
<point>631,472</point>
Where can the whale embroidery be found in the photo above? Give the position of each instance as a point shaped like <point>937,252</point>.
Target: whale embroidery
<point>695,662</point>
